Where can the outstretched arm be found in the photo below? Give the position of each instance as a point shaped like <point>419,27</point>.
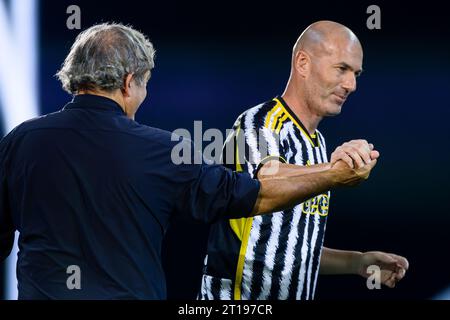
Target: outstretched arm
<point>392,266</point>
<point>355,153</point>
<point>281,192</point>
<point>284,185</point>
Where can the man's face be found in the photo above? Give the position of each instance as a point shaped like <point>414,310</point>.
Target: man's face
<point>332,77</point>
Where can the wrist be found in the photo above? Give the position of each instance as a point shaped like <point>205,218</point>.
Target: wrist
<point>355,265</point>
<point>334,176</point>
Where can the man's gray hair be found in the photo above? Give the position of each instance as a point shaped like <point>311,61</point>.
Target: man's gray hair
<point>103,55</point>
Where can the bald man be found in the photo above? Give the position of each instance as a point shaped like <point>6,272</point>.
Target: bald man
<point>279,256</point>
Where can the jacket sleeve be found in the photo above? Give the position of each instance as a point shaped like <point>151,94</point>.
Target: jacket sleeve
<point>215,192</point>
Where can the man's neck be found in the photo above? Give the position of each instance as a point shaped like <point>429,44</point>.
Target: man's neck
<point>110,95</point>
<point>309,120</point>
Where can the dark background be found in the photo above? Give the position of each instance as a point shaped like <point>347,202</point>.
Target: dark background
<point>215,59</point>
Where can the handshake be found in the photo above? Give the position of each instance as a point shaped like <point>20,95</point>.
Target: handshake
<point>284,185</point>
<point>353,161</point>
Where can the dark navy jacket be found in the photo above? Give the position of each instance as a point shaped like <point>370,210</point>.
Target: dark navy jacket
<point>87,186</point>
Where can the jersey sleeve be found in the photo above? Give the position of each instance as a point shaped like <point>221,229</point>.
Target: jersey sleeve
<point>250,145</point>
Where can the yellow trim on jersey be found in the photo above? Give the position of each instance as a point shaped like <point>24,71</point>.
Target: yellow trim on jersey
<point>283,119</point>
<point>241,228</point>
<point>241,260</point>
<point>269,115</point>
<point>238,164</point>
<point>275,118</point>
<point>237,225</point>
<point>295,122</point>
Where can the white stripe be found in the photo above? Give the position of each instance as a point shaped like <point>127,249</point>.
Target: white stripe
<point>208,286</point>
<point>249,258</point>
<point>272,117</point>
<point>276,220</point>
<point>272,143</point>
<point>318,263</point>
<point>323,147</point>
<point>298,146</point>
<point>269,258</point>
<point>251,137</point>
<point>273,149</point>
<point>225,289</point>
<point>312,247</point>
<point>284,132</point>
<point>304,251</point>
<point>313,240</point>
<point>286,275</point>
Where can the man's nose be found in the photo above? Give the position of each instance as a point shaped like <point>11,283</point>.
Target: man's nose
<point>349,83</point>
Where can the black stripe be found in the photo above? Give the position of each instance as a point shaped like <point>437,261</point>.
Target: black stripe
<point>285,105</point>
<point>290,145</point>
<point>319,242</point>
<point>206,289</point>
<point>318,247</point>
<point>298,254</point>
<point>260,253</point>
<point>314,152</point>
<point>283,238</point>
<point>266,223</point>
<point>311,224</point>
<point>215,287</point>
<point>280,255</point>
<point>301,227</point>
<point>312,219</point>
<point>278,121</point>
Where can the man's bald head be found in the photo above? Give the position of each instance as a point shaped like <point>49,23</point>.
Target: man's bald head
<point>326,60</point>
<point>322,37</point>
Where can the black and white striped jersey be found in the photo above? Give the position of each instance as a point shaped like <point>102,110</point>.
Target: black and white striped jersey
<point>274,256</point>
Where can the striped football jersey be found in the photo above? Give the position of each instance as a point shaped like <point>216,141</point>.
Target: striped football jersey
<point>273,256</point>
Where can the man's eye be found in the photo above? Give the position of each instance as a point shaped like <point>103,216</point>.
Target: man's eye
<point>342,69</point>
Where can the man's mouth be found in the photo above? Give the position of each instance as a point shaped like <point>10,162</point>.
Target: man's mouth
<point>340,98</point>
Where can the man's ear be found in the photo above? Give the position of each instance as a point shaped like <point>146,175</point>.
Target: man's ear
<point>302,62</point>
<point>127,84</point>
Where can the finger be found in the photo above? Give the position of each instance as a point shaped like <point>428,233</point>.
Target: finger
<point>346,158</point>
<point>354,154</point>
<point>361,147</point>
<point>371,165</point>
<point>374,154</point>
<point>371,146</point>
<point>391,281</point>
<point>360,141</point>
<point>365,154</point>
<point>386,261</point>
<point>361,144</point>
<point>400,274</point>
<point>401,261</point>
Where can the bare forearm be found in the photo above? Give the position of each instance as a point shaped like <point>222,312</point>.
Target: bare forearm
<point>338,261</point>
<point>275,169</point>
<point>279,193</point>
